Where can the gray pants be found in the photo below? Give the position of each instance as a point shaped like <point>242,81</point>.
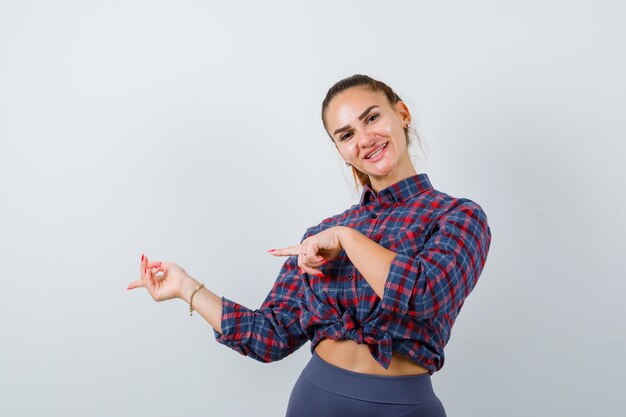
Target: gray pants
<point>325,390</point>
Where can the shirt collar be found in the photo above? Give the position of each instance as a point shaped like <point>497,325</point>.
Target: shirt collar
<point>400,191</point>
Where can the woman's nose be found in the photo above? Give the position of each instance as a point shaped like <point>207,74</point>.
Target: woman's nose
<point>366,139</point>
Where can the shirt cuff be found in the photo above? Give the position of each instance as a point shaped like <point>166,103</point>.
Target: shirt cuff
<point>403,273</point>
<point>236,324</point>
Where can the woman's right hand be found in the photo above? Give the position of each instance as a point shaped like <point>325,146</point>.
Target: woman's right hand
<point>161,287</point>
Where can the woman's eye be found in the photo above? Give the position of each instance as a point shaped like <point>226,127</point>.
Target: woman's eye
<point>347,135</point>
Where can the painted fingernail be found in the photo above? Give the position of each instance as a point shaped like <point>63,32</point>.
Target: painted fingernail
<point>271,250</point>
<point>320,274</point>
<point>129,288</point>
<point>144,269</point>
<point>157,265</point>
<point>142,257</point>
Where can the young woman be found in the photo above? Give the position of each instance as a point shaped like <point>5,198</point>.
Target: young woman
<point>376,288</point>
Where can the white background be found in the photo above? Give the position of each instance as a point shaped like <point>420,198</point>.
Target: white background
<point>190,131</point>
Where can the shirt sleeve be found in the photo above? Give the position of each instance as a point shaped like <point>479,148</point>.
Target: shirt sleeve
<point>438,279</point>
<point>272,331</point>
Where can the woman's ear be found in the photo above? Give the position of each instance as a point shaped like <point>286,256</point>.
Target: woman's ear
<point>403,110</point>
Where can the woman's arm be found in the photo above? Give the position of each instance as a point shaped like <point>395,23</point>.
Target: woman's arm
<point>205,302</point>
<point>434,281</point>
<point>362,250</point>
<point>266,334</point>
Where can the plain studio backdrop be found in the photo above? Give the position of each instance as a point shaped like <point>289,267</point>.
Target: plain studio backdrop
<point>190,131</point>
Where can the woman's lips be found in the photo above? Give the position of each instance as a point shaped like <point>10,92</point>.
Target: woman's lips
<point>379,155</point>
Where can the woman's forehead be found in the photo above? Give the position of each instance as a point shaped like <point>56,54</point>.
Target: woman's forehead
<point>352,102</point>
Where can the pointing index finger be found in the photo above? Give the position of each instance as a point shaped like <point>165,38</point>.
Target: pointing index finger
<point>288,251</point>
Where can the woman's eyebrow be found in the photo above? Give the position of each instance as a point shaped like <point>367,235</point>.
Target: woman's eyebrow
<point>341,129</point>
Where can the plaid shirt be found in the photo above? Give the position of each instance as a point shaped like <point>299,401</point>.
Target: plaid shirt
<point>441,244</point>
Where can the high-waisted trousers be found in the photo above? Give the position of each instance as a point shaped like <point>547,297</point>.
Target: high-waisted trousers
<point>326,390</point>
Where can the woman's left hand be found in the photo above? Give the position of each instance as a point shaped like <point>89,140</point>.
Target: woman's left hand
<point>315,250</point>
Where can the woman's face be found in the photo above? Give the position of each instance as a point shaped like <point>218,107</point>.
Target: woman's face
<point>361,121</point>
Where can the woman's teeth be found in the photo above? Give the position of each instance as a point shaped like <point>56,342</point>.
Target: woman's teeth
<point>375,154</point>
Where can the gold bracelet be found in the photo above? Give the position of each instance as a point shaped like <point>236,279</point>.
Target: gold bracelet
<point>191,298</point>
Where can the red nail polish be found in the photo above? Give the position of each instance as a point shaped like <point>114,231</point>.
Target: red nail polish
<point>142,257</point>
<point>271,250</point>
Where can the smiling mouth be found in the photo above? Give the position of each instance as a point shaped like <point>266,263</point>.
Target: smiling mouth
<point>377,151</point>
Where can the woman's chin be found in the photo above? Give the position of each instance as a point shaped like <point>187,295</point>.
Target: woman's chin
<point>380,170</point>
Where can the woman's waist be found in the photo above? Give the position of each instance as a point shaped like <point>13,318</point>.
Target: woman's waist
<point>356,357</point>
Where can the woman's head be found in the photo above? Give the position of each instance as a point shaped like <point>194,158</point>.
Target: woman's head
<point>361,114</point>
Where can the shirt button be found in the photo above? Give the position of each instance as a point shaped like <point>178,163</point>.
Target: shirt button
<point>373,216</point>
<point>350,276</point>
